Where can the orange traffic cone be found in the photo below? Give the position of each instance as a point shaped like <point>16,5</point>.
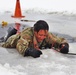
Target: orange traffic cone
<point>18,13</point>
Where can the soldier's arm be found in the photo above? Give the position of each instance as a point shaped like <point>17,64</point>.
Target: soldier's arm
<point>22,45</point>
<point>23,42</point>
<point>59,44</point>
<point>55,40</point>
<point>25,50</point>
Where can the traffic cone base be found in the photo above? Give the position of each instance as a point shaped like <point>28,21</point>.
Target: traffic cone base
<point>17,16</point>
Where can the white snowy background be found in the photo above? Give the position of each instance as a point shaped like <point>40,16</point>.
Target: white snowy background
<point>61,17</point>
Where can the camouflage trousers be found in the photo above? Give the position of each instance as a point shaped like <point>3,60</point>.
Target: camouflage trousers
<point>15,41</point>
<point>11,42</point>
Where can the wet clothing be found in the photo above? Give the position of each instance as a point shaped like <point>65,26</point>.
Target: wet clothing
<point>27,39</point>
<point>10,33</point>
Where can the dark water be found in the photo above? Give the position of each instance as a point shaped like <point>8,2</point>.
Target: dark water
<point>3,31</point>
<point>69,38</point>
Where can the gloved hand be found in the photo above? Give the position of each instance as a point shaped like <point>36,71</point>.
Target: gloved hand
<point>64,48</point>
<point>32,52</point>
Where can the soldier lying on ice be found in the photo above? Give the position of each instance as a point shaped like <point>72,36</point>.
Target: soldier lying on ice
<point>32,39</point>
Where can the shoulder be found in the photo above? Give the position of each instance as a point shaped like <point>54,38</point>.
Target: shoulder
<point>27,31</point>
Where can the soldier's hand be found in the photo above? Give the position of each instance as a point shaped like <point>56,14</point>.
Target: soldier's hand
<point>32,52</point>
<point>64,48</point>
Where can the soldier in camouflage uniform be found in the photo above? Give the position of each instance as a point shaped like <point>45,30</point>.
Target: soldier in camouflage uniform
<point>32,39</point>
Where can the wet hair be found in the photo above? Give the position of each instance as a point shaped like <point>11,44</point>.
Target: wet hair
<point>41,25</point>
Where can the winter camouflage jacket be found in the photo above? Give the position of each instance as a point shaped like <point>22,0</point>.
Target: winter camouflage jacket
<point>27,39</point>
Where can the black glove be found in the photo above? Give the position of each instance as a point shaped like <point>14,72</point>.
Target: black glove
<point>32,52</point>
<point>64,48</point>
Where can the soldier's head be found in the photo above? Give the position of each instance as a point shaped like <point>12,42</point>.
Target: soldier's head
<point>40,30</point>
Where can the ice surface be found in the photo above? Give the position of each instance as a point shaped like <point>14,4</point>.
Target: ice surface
<point>50,62</point>
<point>61,18</point>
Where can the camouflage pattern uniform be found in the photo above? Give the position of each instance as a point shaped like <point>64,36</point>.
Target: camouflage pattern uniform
<point>27,39</point>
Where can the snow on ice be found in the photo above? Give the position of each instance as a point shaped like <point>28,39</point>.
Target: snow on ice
<point>50,62</point>
<point>61,23</point>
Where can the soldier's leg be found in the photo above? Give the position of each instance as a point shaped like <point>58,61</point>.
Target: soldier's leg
<point>11,42</point>
<point>10,33</point>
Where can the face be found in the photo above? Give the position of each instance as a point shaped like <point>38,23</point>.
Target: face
<point>41,35</point>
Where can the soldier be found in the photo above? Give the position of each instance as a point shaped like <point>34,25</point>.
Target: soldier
<point>32,39</point>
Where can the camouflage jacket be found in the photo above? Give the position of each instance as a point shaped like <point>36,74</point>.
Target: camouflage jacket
<point>27,39</point>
